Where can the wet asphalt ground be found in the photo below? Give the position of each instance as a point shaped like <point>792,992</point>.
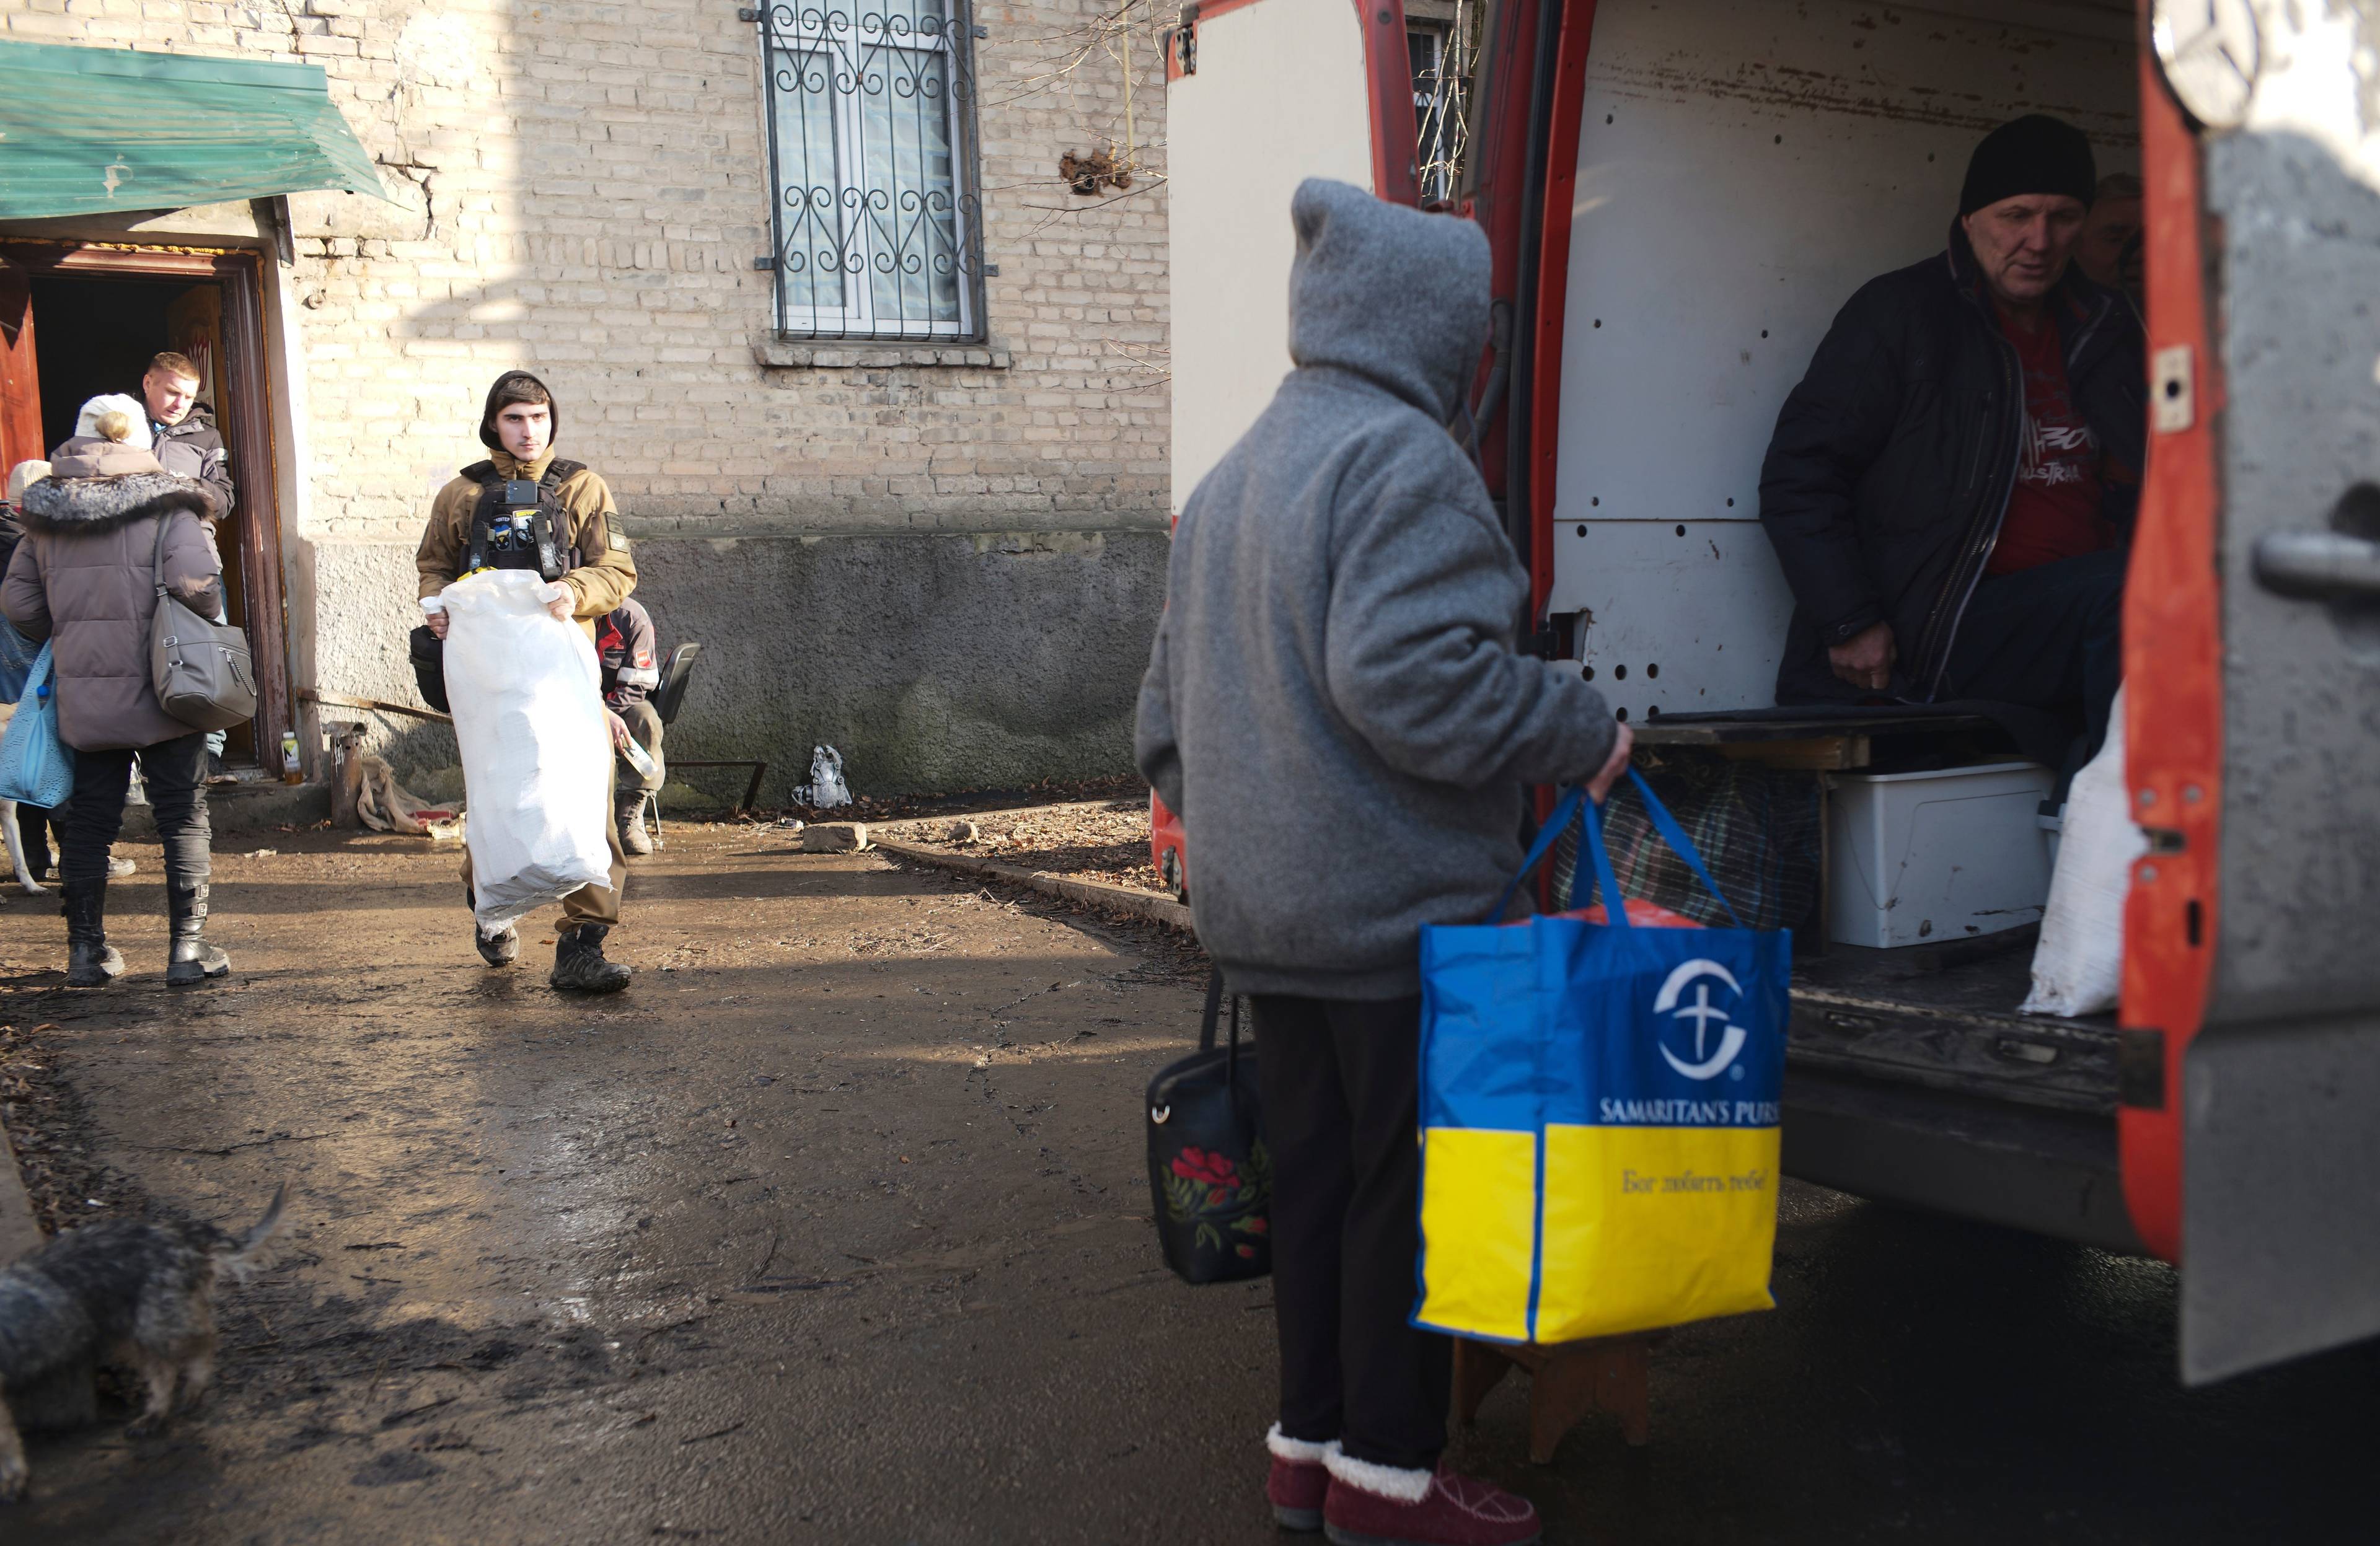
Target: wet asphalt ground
<point>833,1228</point>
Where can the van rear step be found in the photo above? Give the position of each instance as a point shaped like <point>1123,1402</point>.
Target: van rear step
<point>1944,1018</point>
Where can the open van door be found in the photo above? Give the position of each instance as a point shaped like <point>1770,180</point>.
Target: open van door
<point>2258,769</point>
<point>1260,95</point>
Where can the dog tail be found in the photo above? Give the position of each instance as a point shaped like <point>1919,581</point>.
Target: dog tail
<point>236,1257</point>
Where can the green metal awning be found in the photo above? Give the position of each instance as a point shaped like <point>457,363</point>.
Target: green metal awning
<point>98,130</point>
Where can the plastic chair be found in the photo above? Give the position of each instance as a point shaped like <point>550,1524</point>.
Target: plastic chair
<point>675,673</point>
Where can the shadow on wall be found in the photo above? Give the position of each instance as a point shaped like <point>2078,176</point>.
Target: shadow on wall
<point>933,662</point>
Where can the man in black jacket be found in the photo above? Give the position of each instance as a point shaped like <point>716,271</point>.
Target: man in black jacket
<point>183,434</point>
<point>1950,489</point>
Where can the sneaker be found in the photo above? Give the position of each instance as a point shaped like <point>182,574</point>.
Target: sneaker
<point>1299,1479</point>
<point>117,868</point>
<point>1370,1505</point>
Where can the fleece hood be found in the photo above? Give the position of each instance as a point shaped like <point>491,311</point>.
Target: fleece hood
<point>73,506</point>
<point>488,414</point>
<point>1388,292</point>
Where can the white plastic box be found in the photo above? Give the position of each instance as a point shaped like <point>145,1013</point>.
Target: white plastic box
<point>1919,858</point>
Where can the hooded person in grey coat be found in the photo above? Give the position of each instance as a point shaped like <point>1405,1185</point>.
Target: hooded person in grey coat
<point>1336,709</point>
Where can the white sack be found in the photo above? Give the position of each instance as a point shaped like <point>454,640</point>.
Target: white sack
<point>2078,966</point>
<point>536,752</point>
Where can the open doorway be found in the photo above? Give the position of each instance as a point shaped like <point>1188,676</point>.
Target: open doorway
<point>81,321</point>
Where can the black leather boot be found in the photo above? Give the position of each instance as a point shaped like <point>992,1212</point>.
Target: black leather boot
<point>191,959</point>
<point>578,960</point>
<point>92,962</point>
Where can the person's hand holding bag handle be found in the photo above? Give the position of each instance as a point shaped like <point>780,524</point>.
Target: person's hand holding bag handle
<point>1613,765</point>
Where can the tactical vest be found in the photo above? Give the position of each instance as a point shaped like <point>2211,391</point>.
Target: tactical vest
<point>512,532</point>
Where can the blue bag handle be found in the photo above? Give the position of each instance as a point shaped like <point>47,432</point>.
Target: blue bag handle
<point>1547,835</point>
<point>1573,802</point>
<point>1672,833</point>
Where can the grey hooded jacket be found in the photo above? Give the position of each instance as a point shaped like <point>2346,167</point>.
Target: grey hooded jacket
<point>1333,705</point>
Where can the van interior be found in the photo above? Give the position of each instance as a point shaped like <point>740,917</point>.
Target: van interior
<point>97,336</point>
<point>1742,168</point>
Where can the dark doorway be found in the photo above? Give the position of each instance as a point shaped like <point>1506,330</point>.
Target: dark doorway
<point>97,336</point>
<point>77,321</point>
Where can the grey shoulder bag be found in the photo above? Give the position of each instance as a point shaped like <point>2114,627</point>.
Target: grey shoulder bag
<point>199,668</point>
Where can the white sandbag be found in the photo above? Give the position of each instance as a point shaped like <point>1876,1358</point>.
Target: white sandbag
<point>2078,968</point>
<point>536,752</point>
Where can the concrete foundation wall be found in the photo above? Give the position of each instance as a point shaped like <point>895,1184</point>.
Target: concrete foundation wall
<point>931,661</point>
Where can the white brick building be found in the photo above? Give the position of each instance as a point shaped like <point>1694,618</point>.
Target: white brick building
<point>938,542</point>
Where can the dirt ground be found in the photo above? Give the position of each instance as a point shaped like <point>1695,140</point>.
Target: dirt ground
<point>1086,840</point>
<point>833,1228</point>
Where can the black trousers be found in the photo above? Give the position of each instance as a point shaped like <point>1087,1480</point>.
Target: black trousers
<point>1341,1104</point>
<point>33,825</point>
<point>2051,638</point>
<point>176,772</point>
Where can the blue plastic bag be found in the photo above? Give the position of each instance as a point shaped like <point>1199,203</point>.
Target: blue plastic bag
<point>36,767</point>
<point>1599,1115</point>
<point>17,656</point>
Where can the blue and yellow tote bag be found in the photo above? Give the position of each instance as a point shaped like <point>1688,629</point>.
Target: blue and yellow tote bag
<point>1599,1115</point>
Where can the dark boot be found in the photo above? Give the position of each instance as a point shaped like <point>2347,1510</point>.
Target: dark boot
<point>500,949</point>
<point>92,962</point>
<point>191,959</point>
<point>629,813</point>
<point>578,960</point>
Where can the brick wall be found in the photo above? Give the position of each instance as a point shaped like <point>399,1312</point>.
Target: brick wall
<point>582,190</point>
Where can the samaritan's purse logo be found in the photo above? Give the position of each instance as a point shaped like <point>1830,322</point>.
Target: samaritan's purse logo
<point>1701,1012</point>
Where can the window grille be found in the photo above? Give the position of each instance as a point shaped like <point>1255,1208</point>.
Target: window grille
<point>872,154</point>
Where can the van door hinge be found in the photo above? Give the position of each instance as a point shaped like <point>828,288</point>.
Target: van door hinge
<point>2140,1070</point>
<point>2173,396</point>
<point>1186,42</point>
<point>745,13</point>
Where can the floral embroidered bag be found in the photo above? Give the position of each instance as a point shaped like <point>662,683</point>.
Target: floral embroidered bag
<point>1208,1169</point>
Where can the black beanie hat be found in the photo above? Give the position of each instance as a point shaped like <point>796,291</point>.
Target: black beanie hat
<point>2035,153</point>
<point>497,401</point>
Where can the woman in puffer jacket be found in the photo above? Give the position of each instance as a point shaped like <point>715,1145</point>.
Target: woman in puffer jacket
<point>85,577</point>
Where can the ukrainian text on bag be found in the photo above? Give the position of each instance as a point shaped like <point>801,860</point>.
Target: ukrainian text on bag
<point>1599,1112</point>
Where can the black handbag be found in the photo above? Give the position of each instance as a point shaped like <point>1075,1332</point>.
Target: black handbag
<point>1210,1173</point>
<point>428,652</point>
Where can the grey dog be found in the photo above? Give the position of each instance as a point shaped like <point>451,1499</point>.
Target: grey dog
<point>140,1294</point>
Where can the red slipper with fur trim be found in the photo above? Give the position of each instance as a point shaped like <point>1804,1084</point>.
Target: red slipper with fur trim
<point>1299,1479</point>
<point>1371,1505</point>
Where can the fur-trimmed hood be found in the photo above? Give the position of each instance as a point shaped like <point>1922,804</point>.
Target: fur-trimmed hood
<point>80,506</point>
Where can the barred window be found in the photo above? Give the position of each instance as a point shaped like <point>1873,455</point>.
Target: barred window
<point>872,153</point>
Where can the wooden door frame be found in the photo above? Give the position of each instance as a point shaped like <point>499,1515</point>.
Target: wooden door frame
<point>257,518</point>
